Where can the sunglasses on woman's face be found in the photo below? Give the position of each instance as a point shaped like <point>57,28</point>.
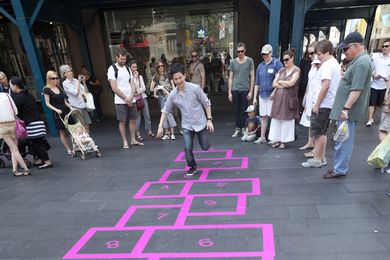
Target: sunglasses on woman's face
<point>54,78</point>
<point>160,66</point>
<point>285,60</point>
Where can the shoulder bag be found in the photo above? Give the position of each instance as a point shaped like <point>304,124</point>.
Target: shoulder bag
<point>21,132</point>
<point>89,102</point>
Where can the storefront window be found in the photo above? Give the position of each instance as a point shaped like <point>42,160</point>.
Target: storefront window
<point>172,33</point>
<point>11,63</point>
<point>381,31</point>
<point>52,45</point>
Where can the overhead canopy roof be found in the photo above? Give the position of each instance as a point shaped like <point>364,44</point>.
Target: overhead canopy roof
<point>322,13</point>
<point>327,13</point>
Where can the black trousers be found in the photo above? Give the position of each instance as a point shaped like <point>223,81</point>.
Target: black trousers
<point>39,148</point>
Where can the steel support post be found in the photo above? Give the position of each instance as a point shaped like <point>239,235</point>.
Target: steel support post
<point>33,58</point>
<point>274,25</point>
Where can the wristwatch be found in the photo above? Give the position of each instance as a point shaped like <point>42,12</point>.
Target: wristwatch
<point>210,118</point>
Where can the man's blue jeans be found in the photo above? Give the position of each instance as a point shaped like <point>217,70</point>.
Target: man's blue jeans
<point>240,104</point>
<point>343,151</point>
<point>189,144</point>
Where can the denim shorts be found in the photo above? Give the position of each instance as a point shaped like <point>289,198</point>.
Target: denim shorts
<point>319,123</point>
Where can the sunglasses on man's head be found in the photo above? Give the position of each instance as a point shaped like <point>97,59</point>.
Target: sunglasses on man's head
<point>240,51</point>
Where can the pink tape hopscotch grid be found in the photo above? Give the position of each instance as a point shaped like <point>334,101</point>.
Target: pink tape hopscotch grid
<point>268,252</point>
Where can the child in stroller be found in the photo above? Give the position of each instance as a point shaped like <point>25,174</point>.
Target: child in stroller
<point>81,141</point>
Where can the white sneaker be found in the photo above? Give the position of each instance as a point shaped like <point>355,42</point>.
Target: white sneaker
<point>369,123</point>
<point>165,137</point>
<point>236,133</point>
<point>312,163</point>
<point>173,137</point>
<point>324,162</point>
<point>261,140</point>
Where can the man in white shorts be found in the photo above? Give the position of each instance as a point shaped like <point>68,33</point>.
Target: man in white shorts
<point>265,75</point>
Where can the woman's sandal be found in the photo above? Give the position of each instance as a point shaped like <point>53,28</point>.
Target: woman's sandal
<point>139,138</point>
<point>282,146</point>
<point>151,135</point>
<point>138,144</point>
<point>275,145</point>
<point>45,166</point>
<point>306,146</point>
<point>17,174</point>
<point>27,172</point>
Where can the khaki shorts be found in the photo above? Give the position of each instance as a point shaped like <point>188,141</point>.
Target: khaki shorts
<point>8,129</point>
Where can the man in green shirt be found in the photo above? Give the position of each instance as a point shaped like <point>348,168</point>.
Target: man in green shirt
<point>241,83</point>
<point>351,99</point>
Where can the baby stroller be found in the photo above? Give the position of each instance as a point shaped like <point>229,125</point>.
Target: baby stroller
<point>82,143</point>
<point>5,153</point>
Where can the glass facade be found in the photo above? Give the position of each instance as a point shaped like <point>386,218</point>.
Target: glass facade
<point>52,45</point>
<point>381,30</point>
<point>172,32</point>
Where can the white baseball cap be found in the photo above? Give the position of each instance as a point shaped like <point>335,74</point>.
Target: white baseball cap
<point>250,108</point>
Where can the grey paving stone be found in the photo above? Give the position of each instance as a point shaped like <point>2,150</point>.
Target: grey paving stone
<point>42,217</point>
<point>353,243</point>
<point>349,210</point>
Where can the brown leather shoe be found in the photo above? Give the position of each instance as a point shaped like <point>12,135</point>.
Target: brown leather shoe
<point>331,175</point>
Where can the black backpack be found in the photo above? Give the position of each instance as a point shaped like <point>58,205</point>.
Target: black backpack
<point>116,70</point>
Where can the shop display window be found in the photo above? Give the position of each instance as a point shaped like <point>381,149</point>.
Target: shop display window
<point>171,33</point>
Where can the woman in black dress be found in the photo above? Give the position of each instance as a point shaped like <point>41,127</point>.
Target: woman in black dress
<point>55,99</point>
<point>36,130</point>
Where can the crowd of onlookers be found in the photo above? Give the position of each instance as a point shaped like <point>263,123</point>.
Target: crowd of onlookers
<point>268,101</point>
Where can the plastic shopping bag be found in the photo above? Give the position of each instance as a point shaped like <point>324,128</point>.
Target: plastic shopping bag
<point>380,157</point>
<point>342,132</point>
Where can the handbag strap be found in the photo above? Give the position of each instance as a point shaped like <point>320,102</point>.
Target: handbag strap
<point>9,99</point>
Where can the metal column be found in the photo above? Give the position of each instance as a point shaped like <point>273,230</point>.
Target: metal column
<point>274,25</point>
<point>31,51</point>
<point>300,9</point>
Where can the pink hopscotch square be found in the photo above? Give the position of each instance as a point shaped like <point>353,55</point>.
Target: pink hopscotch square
<point>202,188</point>
<point>159,242</point>
<point>150,215</point>
<point>216,206</point>
<point>180,175</point>
<point>209,154</point>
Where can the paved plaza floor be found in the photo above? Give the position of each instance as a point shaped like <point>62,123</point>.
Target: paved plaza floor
<point>249,202</point>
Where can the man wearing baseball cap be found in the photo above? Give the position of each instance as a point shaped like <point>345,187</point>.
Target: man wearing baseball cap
<point>351,99</point>
<point>265,75</point>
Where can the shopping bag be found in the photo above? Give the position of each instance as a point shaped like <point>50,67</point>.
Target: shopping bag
<point>89,103</point>
<point>342,132</point>
<point>380,157</point>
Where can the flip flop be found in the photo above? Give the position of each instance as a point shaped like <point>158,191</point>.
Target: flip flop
<point>138,144</point>
<point>125,146</point>
<point>282,146</point>
<point>275,145</point>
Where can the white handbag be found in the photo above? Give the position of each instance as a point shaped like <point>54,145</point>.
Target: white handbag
<point>89,103</point>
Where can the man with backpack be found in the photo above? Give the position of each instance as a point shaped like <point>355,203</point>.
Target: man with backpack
<point>119,76</point>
